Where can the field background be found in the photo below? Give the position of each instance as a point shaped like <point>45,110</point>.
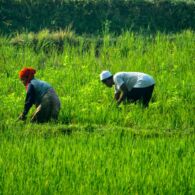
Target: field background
<point>97,148</point>
<point>90,16</point>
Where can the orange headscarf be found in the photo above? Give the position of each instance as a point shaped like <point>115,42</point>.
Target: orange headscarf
<point>27,73</point>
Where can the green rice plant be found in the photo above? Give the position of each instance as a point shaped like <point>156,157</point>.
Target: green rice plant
<point>96,147</point>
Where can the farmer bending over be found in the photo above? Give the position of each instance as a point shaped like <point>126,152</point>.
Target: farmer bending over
<point>130,86</point>
<point>42,95</point>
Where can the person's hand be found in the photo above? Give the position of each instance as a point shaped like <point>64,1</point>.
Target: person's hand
<point>22,117</point>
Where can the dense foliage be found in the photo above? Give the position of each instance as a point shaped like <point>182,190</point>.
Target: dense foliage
<point>96,147</point>
<point>92,16</point>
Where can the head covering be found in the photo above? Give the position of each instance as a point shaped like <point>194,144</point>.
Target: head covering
<point>27,73</point>
<point>105,75</point>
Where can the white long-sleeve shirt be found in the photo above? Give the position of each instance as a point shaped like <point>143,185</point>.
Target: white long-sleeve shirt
<point>132,80</point>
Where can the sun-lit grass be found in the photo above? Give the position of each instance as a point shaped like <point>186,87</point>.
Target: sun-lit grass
<point>97,148</point>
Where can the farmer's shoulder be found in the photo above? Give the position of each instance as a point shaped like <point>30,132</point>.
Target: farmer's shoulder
<point>119,75</point>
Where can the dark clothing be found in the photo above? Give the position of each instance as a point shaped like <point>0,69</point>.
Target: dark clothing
<point>48,108</point>
<point>142,94</point>
<point>35,91</point>
<point>30,99</point>
<point>49,103</point>
<point>40,88</point>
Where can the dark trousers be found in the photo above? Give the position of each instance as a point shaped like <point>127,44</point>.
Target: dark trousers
<point>141,94</point>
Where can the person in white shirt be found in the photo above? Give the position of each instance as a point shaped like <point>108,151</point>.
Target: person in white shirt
<point>130,86</point>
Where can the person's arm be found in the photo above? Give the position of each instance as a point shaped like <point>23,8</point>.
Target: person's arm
<point>117,95</point>
<point>123,94</point>
<point>29,101</point>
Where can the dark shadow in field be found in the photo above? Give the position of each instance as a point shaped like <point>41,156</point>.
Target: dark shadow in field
<point>52,130</point>
<point>93,17</point>
<point>65,131</point>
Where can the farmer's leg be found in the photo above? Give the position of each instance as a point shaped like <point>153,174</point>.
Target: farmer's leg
<point>147,96</point>
<point>55,106</point>
<point>43,111</point>
<point>135,94</point>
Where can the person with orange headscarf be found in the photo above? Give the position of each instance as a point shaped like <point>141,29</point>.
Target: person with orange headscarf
<point>42,95</point>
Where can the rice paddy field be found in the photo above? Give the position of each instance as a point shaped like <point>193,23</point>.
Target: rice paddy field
<point>96,147</point>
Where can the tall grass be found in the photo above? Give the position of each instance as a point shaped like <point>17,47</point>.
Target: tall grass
<point>96,148</point>
<point>105,162</point>
<point>74,74</point>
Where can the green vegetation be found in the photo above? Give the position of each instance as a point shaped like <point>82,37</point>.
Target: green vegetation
<point>96,148</point>
<point>90,16</point>
<point>111,161</point>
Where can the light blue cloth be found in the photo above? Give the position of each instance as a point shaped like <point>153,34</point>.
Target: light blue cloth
<point>41,88</point>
